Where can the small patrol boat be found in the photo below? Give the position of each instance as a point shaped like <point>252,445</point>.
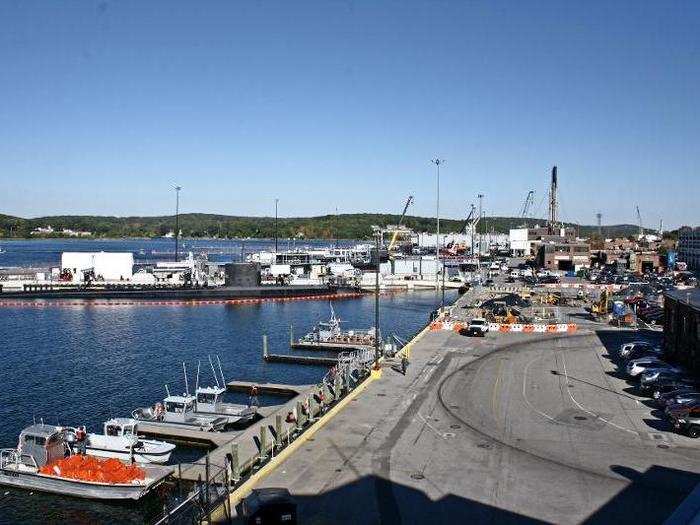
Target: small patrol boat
<point>44,460</point>
<point>328,336</point>
<point>209,400</point>
<point>180,411</point>
<point>120,440</point>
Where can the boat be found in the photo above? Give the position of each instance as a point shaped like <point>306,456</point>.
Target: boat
<point>120,440</point>
<point>44,461</point>
<point>179,411</point>
<point>329,335</point>
<point>209,400</point>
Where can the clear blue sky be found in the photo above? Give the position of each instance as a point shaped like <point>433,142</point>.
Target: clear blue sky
<point>342,104</point>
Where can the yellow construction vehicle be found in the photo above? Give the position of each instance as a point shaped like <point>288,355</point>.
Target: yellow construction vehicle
<point>602,306</point>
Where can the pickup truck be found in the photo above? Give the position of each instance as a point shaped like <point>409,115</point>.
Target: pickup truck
<point>476,328</point>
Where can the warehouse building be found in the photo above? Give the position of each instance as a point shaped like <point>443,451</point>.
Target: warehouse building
<point>689,247</point>
<point>682,326</point>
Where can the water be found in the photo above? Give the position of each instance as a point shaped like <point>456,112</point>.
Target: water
<point>82,365</point>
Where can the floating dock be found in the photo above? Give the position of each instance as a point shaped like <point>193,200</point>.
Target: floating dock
<point>186,436</point>
<point>300,359</point>
<point>274,389</point>
<point>332,347</point>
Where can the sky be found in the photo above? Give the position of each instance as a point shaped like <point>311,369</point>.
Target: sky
<point>341,105</point>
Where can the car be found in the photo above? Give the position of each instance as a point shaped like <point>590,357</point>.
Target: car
<point>628,350</point>
<point>488,282</point>
<point>478,327</point>
<point>658,381</point>
<point>638,366</point>
<point>685,418</point>
<point>510,279</point>
<point>681,396</point>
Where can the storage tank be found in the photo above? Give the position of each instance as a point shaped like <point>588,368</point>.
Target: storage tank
<point>242,274</point>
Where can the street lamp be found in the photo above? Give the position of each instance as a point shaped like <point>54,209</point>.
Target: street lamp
<point>276,202</point>
<point>177,217</point>
<point>437,162</point>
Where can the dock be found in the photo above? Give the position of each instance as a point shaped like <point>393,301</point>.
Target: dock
<point>331,347</point>
<point>185,436</point>
<point>300,359</point>
<point>274,389</point>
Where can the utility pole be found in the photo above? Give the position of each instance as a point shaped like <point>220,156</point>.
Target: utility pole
<point>376,304</point>
<point>177,218</point>
<point>481,216</point>
<point>276,202</point>
<point>437,161</point>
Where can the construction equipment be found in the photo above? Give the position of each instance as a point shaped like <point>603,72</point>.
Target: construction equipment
<point>551,299</point>
<point>527,204</point>
<point>639,220</point>
<point>395,236</point>
<point>602,306</point>
<point>553,222</point>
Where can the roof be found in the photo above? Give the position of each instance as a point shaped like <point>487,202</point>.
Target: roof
<point>179,399</point>
<point>689,295</point>
<point>41,430</point>
<point>121,421</point>
<point>210,390</point>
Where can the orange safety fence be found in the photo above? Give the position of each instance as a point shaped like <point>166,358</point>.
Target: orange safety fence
<point>89,468</point>
<point>571,327</point>
<point>457,327</point>
<point>437,325</point>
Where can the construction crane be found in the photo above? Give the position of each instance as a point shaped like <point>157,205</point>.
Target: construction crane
<point>472,211</point>
<point>409,201</point>
<point>527,204</point>
<point>639,220</point>
<point>553,222</point>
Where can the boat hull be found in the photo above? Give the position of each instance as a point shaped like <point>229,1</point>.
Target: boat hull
<point>79,489</point>
<point>157,458</point>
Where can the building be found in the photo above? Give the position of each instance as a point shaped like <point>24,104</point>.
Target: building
<point>566,256</point>
<point>682,326</point>
<point>689,247</point>
<point>525,242</point>
<point>108,266</point>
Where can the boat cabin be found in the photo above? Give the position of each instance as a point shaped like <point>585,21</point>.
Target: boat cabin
<point>209,398</point>
<point>178,409</point>
<point>43,443</point>
<point>121,427</point>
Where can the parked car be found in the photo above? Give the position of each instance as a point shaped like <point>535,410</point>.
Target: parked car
<point>478,327</point>
<point>638,366</point>
<point>681,396</point>
<point>685,418</point>
<point>638,349</point>
<point>658,381</point>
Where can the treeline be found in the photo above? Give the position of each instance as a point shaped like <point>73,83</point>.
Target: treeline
<point>346,226</point>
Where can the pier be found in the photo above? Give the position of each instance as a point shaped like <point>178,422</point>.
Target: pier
<point>330,347</point>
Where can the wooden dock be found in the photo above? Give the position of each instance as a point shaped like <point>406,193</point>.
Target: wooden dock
<point>185,435</point>
<point>300,359</point>
<point>274,389</point>
<point>331,347</point>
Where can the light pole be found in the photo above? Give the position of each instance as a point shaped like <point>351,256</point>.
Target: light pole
<point>481,197</point>
<point>377,353</point>
<point>437,162</point>
<point>276,202</point>
<point>177,217</point>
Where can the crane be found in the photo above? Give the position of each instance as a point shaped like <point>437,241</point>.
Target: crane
<point>527,204</point>
<point>639,220</point>
<point>409,201</point>
<point>472,210</point>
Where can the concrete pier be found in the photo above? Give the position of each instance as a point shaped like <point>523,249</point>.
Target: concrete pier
<point>512,427</point>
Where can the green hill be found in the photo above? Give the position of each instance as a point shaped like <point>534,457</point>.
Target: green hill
<point>346,226</point>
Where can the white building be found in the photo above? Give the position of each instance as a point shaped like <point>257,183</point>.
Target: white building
<point>108,266</point>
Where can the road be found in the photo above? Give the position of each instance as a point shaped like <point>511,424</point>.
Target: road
<point>510,428</point>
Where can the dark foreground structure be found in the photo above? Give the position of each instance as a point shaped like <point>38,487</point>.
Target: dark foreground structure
<point>682,326</point>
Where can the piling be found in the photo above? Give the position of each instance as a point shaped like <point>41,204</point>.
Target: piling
<point>235,464</point>
<point>265,346</point>
<point>263,442</point>
<point>278,431</point>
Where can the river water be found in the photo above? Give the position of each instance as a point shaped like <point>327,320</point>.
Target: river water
<point>82,364</point>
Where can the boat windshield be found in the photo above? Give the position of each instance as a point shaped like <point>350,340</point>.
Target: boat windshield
<point>113,430</point>
<point>208,399</point>
<point>178,408</point>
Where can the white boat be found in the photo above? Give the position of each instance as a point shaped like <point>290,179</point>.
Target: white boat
<point>32,466</point>
<point>120,440</point>
<point>210,400</point>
